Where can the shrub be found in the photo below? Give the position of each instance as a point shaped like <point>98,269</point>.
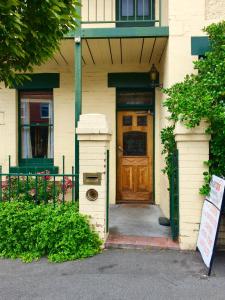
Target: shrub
<point>30,231</point>
<point>201,96</point>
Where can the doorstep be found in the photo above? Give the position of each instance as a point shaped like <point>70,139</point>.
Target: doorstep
<point>140,242</point>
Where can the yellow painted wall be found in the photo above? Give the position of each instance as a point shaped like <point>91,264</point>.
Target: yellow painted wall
<point>8,126</point>
<point>64,124</point>
<point>98,98</point>
<point>185,19</point>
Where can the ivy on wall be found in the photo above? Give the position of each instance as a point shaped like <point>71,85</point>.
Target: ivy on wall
<point>201,96</point>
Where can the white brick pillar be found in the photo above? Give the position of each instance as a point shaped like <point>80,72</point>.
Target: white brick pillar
<point>94,137</point>
<point>193,149</point>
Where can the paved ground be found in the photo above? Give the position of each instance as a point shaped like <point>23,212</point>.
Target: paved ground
<point>136,220</point>
<point>115,274</point>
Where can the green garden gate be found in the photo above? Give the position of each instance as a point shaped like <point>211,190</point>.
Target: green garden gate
<point>174,196</point>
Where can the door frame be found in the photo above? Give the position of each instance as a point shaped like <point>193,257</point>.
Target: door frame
<point>128,107</point>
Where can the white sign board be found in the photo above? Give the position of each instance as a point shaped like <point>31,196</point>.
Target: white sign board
<point>217,186</point>
<point>210,219</point>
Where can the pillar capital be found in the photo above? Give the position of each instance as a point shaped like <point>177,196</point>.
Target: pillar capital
<point>93,125</point>
<point>196,134</point>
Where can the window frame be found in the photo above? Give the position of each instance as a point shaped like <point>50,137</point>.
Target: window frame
<point>139,21</point>
<point>32,162</point>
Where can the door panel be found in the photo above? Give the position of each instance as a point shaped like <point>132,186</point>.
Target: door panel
<point>127,179</point>
<point>134,156</point>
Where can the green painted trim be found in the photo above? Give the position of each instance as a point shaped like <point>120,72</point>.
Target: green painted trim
<point>200,45</point>
<point>153,166</point>
<point>120,32</point>
<point>39,81</point>
<point>131,21</point>
<point>36,162</point>
<point>132,108</point>
<point>131,80</point>
<point>78,106</point>
<point>30,161</point>
<point>107,192</point>
<point>33,169</point>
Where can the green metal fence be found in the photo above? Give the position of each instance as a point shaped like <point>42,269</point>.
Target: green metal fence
<point>174,196</point>
<point>142,12</point>
<point>39,187</point>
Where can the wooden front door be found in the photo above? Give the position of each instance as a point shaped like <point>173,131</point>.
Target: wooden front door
<point>134,156</point>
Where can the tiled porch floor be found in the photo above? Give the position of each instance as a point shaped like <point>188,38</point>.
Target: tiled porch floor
<point>137,226</point>
<point>139,220</point>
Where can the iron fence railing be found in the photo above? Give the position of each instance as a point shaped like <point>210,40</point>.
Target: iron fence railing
<point>144,12</point>
<point>39,187</point>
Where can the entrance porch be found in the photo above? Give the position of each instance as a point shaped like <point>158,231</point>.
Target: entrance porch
<point>137,226</point>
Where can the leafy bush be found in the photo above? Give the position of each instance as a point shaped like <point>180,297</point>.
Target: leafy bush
<point>202,96</point>
<point>27,188</point>
<point>169,146</point>
<point>30,231</point>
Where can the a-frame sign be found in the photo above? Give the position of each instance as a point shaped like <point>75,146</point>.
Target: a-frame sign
<point>210,221</point>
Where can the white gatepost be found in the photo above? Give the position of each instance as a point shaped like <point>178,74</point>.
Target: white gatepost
<point>193,149</point>
<point>94,138</point>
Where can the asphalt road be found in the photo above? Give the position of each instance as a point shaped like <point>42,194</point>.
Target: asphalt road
<point>115,274</point>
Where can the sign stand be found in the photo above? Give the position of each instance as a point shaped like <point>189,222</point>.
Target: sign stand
<point>210,221</point>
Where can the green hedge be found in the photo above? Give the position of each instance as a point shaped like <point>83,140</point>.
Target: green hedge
<point>30,231</point>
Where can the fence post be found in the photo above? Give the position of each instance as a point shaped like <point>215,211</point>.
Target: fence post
<point>94,136</point>
<point>193,147</point>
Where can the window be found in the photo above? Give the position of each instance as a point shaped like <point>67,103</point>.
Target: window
<point>135,98</point>
<point>135,143</point>
<point>44,110</point>
<point>142,120</point>
<point>36,125</point>
<point>136,11</point>
<point>127,120</point>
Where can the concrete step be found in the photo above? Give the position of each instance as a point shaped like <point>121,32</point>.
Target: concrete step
<point>140,242</point>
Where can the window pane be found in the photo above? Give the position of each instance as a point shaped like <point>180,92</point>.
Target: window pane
<point>127,120</point>
<point>127,8</point>
<point>44,110</point>
<point>142,120</point>
<point>36,125</point>
<point>135,143</point>
<point>130,97</point>
<point>143,8</point>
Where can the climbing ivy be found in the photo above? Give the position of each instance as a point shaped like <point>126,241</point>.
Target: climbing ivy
<point>201,96</point>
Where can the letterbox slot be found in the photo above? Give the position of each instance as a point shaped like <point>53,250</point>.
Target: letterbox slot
<point>92,178</point>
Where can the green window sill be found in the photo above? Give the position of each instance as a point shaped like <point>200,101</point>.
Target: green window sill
<point>34,169</point>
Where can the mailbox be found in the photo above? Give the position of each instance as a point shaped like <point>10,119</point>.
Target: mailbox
<point>92,178</point>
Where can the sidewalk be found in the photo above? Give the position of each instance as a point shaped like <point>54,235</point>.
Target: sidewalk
<point>115,274</point>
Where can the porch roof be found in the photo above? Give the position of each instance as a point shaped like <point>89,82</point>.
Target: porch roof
<point>143,50</point>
